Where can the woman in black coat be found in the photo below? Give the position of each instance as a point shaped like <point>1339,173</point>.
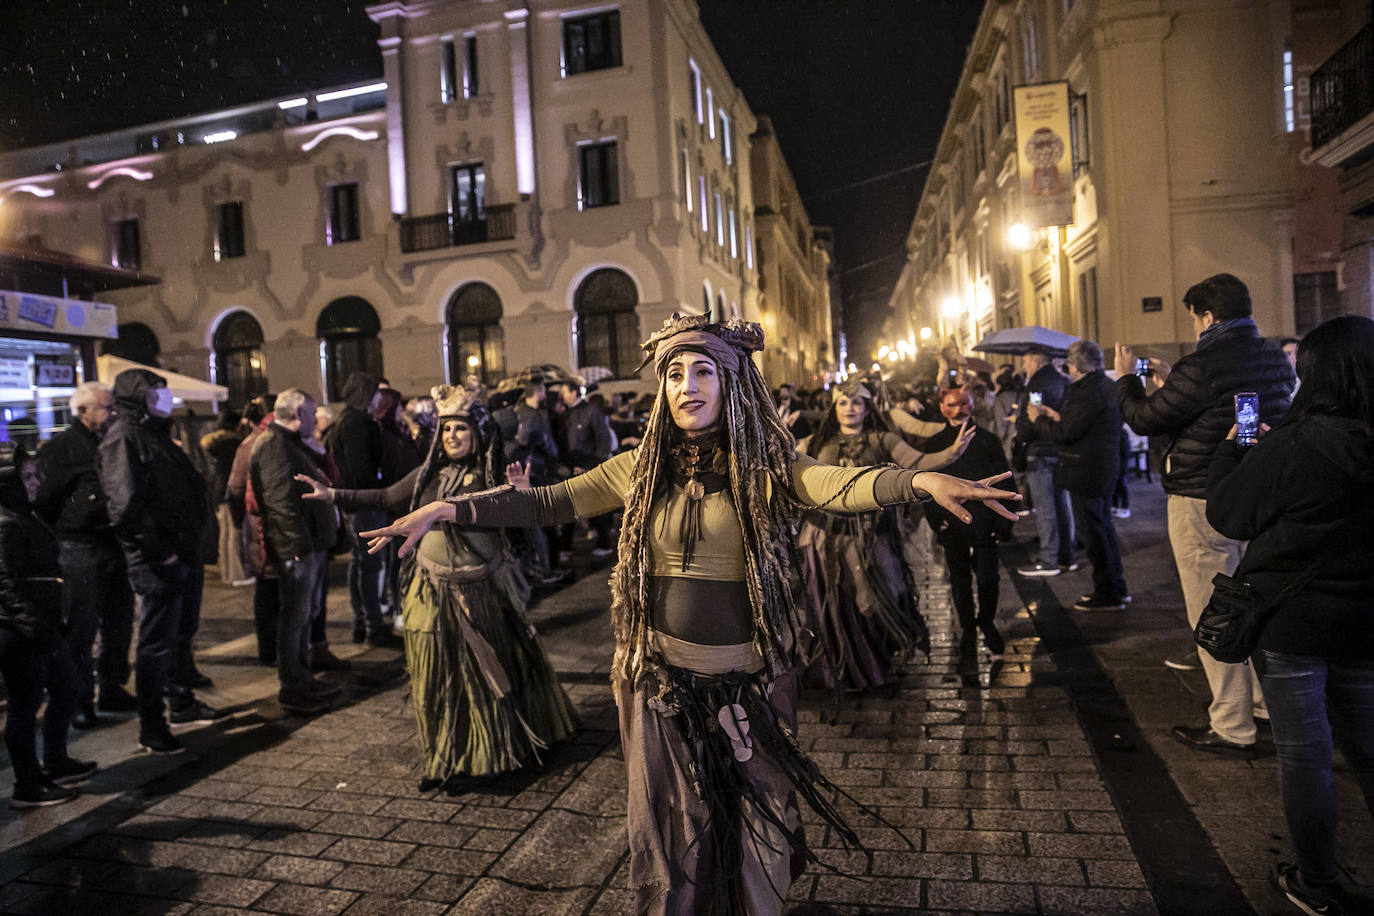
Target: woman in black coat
<point>1303,494</point>
<point>31,647</point>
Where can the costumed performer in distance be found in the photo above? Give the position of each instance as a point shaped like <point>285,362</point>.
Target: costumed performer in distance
<point>486,699</point>
<point>705,626</point>
<point>859,590</point>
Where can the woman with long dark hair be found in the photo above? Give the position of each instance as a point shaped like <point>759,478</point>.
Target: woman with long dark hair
<point>486,699</point>
<point>706,630</point>
<point>1303,497</point>
<point>860,592</point>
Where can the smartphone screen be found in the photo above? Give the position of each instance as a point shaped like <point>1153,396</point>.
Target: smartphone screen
<point>1142,366</point>
<point>1247,418</point>
<point>1036,398</point>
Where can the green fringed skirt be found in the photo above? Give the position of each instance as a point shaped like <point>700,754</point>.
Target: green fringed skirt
<point>486,699</point>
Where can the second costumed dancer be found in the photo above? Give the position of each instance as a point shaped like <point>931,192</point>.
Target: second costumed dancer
<point>706,630</point>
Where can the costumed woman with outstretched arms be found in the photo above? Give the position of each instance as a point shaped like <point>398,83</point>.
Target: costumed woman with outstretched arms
<point>705,625</point>
<point>860,594</point>
<point>486,699</point>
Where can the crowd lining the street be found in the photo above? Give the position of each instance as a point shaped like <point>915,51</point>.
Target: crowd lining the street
<point>765,542</point>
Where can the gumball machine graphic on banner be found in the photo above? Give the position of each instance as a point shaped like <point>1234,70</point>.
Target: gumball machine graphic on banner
<point>1044,149</point>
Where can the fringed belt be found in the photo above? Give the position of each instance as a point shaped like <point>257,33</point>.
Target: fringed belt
<point>487,662</point>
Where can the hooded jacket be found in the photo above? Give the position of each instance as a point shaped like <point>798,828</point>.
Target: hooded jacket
<point>354,439</point>
<point>30,583</point>
<point>1195,407</point>
<point>1304,491</point>
<point>156,499</point>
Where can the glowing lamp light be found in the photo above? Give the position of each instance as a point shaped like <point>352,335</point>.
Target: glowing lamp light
<point>883,351</point>
<point>349,93</point>
<point>126,171</point>
<point>35,190</point>
<point>344,131</point>
<point>1019,236</point>
<point>220,136</point>
<point>877,368</point>
<point>852,368</point>
<point>892,356</point>
<point>473,362</point>
<point>293,103</point>
<point>926,333</point>
<point>952,307</point>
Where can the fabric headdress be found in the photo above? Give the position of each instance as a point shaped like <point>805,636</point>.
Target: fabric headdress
<point>852,387</point>
<point>727,342</point>
<point>455,401</point>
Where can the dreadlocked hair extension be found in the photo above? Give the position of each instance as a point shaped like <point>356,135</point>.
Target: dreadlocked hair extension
<point>761,453</point>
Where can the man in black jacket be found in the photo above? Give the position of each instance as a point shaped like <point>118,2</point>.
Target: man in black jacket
<point>298,535</point>
<point>1194,406</point>
<point>530,443</point>
<point>354,440</point>
<point>157,504</point>
<point>970,550</point>
<point>584,441</point>
<point>1053,514</point>
<point>95,585</point>
<point>1088,433</point>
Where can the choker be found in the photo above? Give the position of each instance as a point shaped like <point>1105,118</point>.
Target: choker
<point>698,463</point>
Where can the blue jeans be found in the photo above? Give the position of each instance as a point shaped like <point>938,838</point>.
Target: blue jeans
<point>365,573</point>
<point>300,593</point>
<point>1053,516</point>
<point>1299,690</point>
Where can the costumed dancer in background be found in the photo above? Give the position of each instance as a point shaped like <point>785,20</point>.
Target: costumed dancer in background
<point>859,589</point>
<point>486,699</point>
<point>705,625</point>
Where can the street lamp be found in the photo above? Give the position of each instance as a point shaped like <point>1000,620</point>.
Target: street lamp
<point>1019,237</point>
<point>926,333</point>
<point>883,351</point>
<point>952,307</point>
<point>474,362</point>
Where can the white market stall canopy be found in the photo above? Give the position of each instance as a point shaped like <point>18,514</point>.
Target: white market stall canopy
<point>183,386</point>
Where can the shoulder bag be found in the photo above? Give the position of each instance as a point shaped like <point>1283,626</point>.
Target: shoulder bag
<point>1231,624</point>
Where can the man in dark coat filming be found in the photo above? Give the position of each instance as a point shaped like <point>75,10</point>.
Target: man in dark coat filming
<point>1088,432</point>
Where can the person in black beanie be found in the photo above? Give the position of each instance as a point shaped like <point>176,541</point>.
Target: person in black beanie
<point>30,644</point>
<point>971,550</point>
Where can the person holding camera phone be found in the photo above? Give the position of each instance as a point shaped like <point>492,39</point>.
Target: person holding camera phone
<point>1193,404</point>
<point>1301,498</point>
<point>1046,386</point>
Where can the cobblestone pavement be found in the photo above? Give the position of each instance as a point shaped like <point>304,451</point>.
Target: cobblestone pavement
<point>1010,781</point>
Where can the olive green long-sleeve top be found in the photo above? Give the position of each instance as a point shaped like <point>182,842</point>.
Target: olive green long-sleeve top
<point>720,554</point>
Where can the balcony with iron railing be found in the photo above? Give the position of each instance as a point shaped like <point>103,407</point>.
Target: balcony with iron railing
<point>445,230</point>
<point>1342,92</point>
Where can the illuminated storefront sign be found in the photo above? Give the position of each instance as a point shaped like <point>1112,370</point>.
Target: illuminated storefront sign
<point>54,315</point>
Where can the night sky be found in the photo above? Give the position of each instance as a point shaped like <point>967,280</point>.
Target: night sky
<point>855,88</point>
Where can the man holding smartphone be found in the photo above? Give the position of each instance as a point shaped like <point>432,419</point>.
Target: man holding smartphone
<point>1193,404</point>
<point>1046,386</point>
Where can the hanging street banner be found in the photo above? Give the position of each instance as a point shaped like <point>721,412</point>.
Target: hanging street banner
<point>1043,158</point>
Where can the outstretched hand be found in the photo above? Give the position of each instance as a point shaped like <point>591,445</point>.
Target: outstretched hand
<point>318,489</point>
<point>952,492</point>
<point>518,475</point>
<point>412,527</point>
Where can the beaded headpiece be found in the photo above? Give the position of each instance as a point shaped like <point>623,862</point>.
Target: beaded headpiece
<point>455,401</point>
<point>727,342</point>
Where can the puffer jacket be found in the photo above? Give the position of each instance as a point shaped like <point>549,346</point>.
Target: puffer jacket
<point>30,583</point>
<point>1304,491</point>
<point>1195,408</point>
<point>155,497</point>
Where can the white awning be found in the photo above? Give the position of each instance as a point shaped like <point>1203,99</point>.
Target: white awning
<point>183,386</point>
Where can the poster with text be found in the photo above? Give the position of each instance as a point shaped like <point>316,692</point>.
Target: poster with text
<point>1043,156</point>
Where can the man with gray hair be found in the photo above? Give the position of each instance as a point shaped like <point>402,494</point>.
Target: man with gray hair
<point>298,536</point>
<point>95,584</point>
<point>1088,431</point>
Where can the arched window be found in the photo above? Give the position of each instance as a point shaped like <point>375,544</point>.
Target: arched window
<point>607,324</point>
<point>348,329</point>
<point>475,342</point>
<point>136,341</point>
<point>722,307</point>
<point>706,299</point>
<point>239,363</point>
